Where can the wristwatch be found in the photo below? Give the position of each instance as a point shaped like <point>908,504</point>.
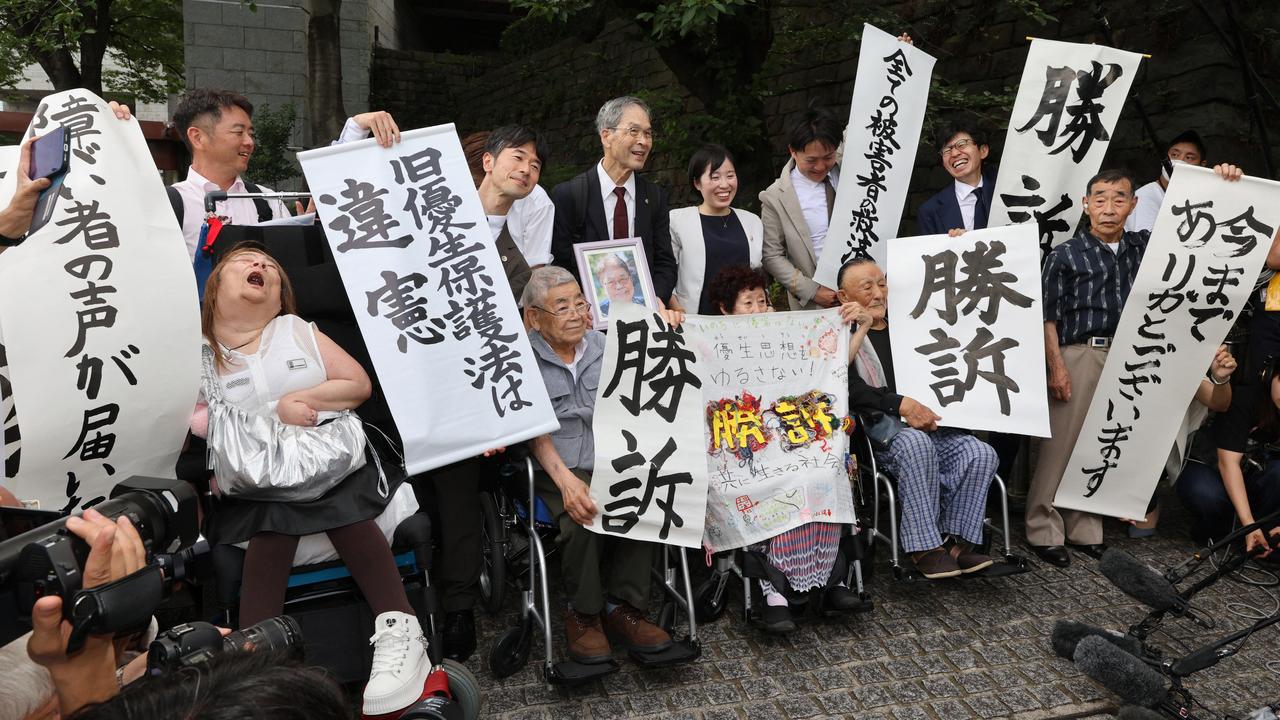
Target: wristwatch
<point>6,241</point>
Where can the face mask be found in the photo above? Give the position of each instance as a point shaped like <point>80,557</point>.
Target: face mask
<point>1166,168</point>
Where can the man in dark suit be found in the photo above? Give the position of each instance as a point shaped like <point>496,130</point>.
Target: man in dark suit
<point>610,201</point>
<point>966,202</point>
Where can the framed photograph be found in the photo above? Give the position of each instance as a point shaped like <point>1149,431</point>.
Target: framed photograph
<point>614,271</point>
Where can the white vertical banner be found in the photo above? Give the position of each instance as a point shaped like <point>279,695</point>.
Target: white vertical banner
<point>100,320</point>
<point>885,117</point>
<point>1208,245</point>
<point>967,326</point>
<point>650,477</point>
<point>1068,103</point>
<point>775,413</point>
<point>428,290</point>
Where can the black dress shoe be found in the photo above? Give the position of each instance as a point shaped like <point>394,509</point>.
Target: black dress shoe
<point>1052,554</point>
<point>776,620</point>
<point>1093,551</point>
<point>459,635</point>
<point>842,598</point>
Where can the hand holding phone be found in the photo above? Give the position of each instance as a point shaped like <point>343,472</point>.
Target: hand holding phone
<point>15,219</point>
<point>50,154</point>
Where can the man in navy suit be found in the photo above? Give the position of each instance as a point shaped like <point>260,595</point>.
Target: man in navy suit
<point>966,202</point>
<point>610,201</point>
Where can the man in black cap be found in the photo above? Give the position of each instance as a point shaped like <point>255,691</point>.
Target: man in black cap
<point>1185,148</point>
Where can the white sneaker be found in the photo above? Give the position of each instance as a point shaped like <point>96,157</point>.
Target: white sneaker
<point>400,664</point>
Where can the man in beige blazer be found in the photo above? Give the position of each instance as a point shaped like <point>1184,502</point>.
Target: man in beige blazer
<point>796,210</point>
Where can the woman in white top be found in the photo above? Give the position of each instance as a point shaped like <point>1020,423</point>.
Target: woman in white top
<point>270,361</point>
<point>712,235</point>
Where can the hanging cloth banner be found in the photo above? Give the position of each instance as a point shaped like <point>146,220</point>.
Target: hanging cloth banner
<point>1068,103</point>
<point>885,117</point>
<point>100,322</point>
<point>1208,245</point>
<point>428,290</point>
<point>967,328</point>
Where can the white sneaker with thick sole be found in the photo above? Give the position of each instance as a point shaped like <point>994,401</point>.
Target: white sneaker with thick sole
<point>400,664</point>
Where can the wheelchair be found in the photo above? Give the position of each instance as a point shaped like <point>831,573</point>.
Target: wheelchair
<point>322,597</point>
<point>882,494</point>
<point>521,545</point>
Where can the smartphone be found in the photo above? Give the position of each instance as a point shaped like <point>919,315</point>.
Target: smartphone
<point>51,153</point>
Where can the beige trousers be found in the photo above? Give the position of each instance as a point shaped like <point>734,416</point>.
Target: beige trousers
<point>1046,525</point>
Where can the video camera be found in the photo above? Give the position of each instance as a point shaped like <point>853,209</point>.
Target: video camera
<point>49,560</point>
<point>195,642</point>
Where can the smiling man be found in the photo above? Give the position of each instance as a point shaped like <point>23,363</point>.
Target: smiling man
<point>611,201</point>
<point>512,162</point>
<point>965,203</point>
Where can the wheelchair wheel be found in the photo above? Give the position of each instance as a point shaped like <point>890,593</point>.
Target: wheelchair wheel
<point>707,607</point>
<point>493,573</point>
<point>464,688</point>
<point>510,653</point>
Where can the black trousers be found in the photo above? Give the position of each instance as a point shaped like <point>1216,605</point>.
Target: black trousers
<point>456,508</point>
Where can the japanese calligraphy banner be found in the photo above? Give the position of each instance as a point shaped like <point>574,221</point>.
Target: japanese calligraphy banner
<point>650,477</point>
<point>427,287</point>
<point>99,316</point>
<point>775,399</point>
<point>967,328</point>
<point>1207,247</point>
<point>885,117</point>
<point>1068,103</point>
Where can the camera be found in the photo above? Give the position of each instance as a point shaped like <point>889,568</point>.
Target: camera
<point>49,560</point>
<point>195,642</point>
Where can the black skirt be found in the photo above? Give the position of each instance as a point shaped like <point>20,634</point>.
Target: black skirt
<point>356,498</point>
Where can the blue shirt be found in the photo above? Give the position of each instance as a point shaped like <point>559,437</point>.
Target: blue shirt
<point>1086,284</point>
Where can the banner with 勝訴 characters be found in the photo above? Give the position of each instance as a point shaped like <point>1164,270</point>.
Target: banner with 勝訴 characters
<point>885,119</point>
<point>100,322</point>
<point>429,293</point>
<point>1205,253</point>
<point>1067,107</point>
<point>967,328</point>
<point>774,421</point>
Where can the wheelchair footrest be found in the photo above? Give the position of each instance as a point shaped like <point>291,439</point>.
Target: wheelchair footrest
<point>570,672</point>
<point>1009,565</point>
<point>681,651</point>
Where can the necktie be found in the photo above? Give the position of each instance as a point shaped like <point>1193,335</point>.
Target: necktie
<point>620,215</point>
<point>831,196</point>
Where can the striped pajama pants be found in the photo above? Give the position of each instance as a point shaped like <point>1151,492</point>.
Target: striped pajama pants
<point>942,480</point>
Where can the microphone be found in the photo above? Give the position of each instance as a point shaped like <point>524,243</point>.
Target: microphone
<point>1133,712</point>
<point>1068,633</point>
<point>1125,675</point>
<point>1140,582</point>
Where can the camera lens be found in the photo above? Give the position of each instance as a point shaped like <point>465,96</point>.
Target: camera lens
<point>273,634</point>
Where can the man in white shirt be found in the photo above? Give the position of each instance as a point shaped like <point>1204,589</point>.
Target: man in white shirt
<point>530,219</point>
<point>796,210</point>
<point>217,126</point>
<point>512,164</point>
<point>1185,148</point>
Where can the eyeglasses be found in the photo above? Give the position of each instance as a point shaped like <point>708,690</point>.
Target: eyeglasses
<point>635,131</point>
<point>960,144</point>
<point>582,308</point>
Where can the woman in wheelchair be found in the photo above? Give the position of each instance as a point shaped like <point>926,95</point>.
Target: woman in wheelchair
<point>270,361</point>
<point>805,555</point>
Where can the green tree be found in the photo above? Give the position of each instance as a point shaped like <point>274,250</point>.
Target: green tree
<point>71,38</point>
<point>270,163</point>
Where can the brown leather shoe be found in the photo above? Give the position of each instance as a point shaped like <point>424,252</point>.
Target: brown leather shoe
<point>638,633</point>
<point>587,643</point>
<point>935,564</point>
<point>969,559</point>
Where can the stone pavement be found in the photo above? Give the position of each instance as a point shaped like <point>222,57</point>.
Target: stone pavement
<point>952,650</point>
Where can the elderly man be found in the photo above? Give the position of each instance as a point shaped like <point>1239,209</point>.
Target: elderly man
<point>619,287</point>
<point>610,201</point>
<point>601,573</point>
<point>1086,281</point>
<point>942,474</point>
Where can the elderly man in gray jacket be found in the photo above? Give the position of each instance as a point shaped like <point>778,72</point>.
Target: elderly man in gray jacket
<point>570,356</point>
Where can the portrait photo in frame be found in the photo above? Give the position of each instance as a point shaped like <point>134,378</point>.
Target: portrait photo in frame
<point>614,271</point>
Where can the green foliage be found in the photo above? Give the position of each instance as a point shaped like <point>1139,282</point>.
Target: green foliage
<point>271,162</point>
<point>144,37</point>
<point>678,19</point>
<point>558,11</point>
<point>1033,11</point>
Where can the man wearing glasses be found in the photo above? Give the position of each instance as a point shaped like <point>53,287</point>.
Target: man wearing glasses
<point>966,203</point>
<point>606,578</point>
<point>611,202</point>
